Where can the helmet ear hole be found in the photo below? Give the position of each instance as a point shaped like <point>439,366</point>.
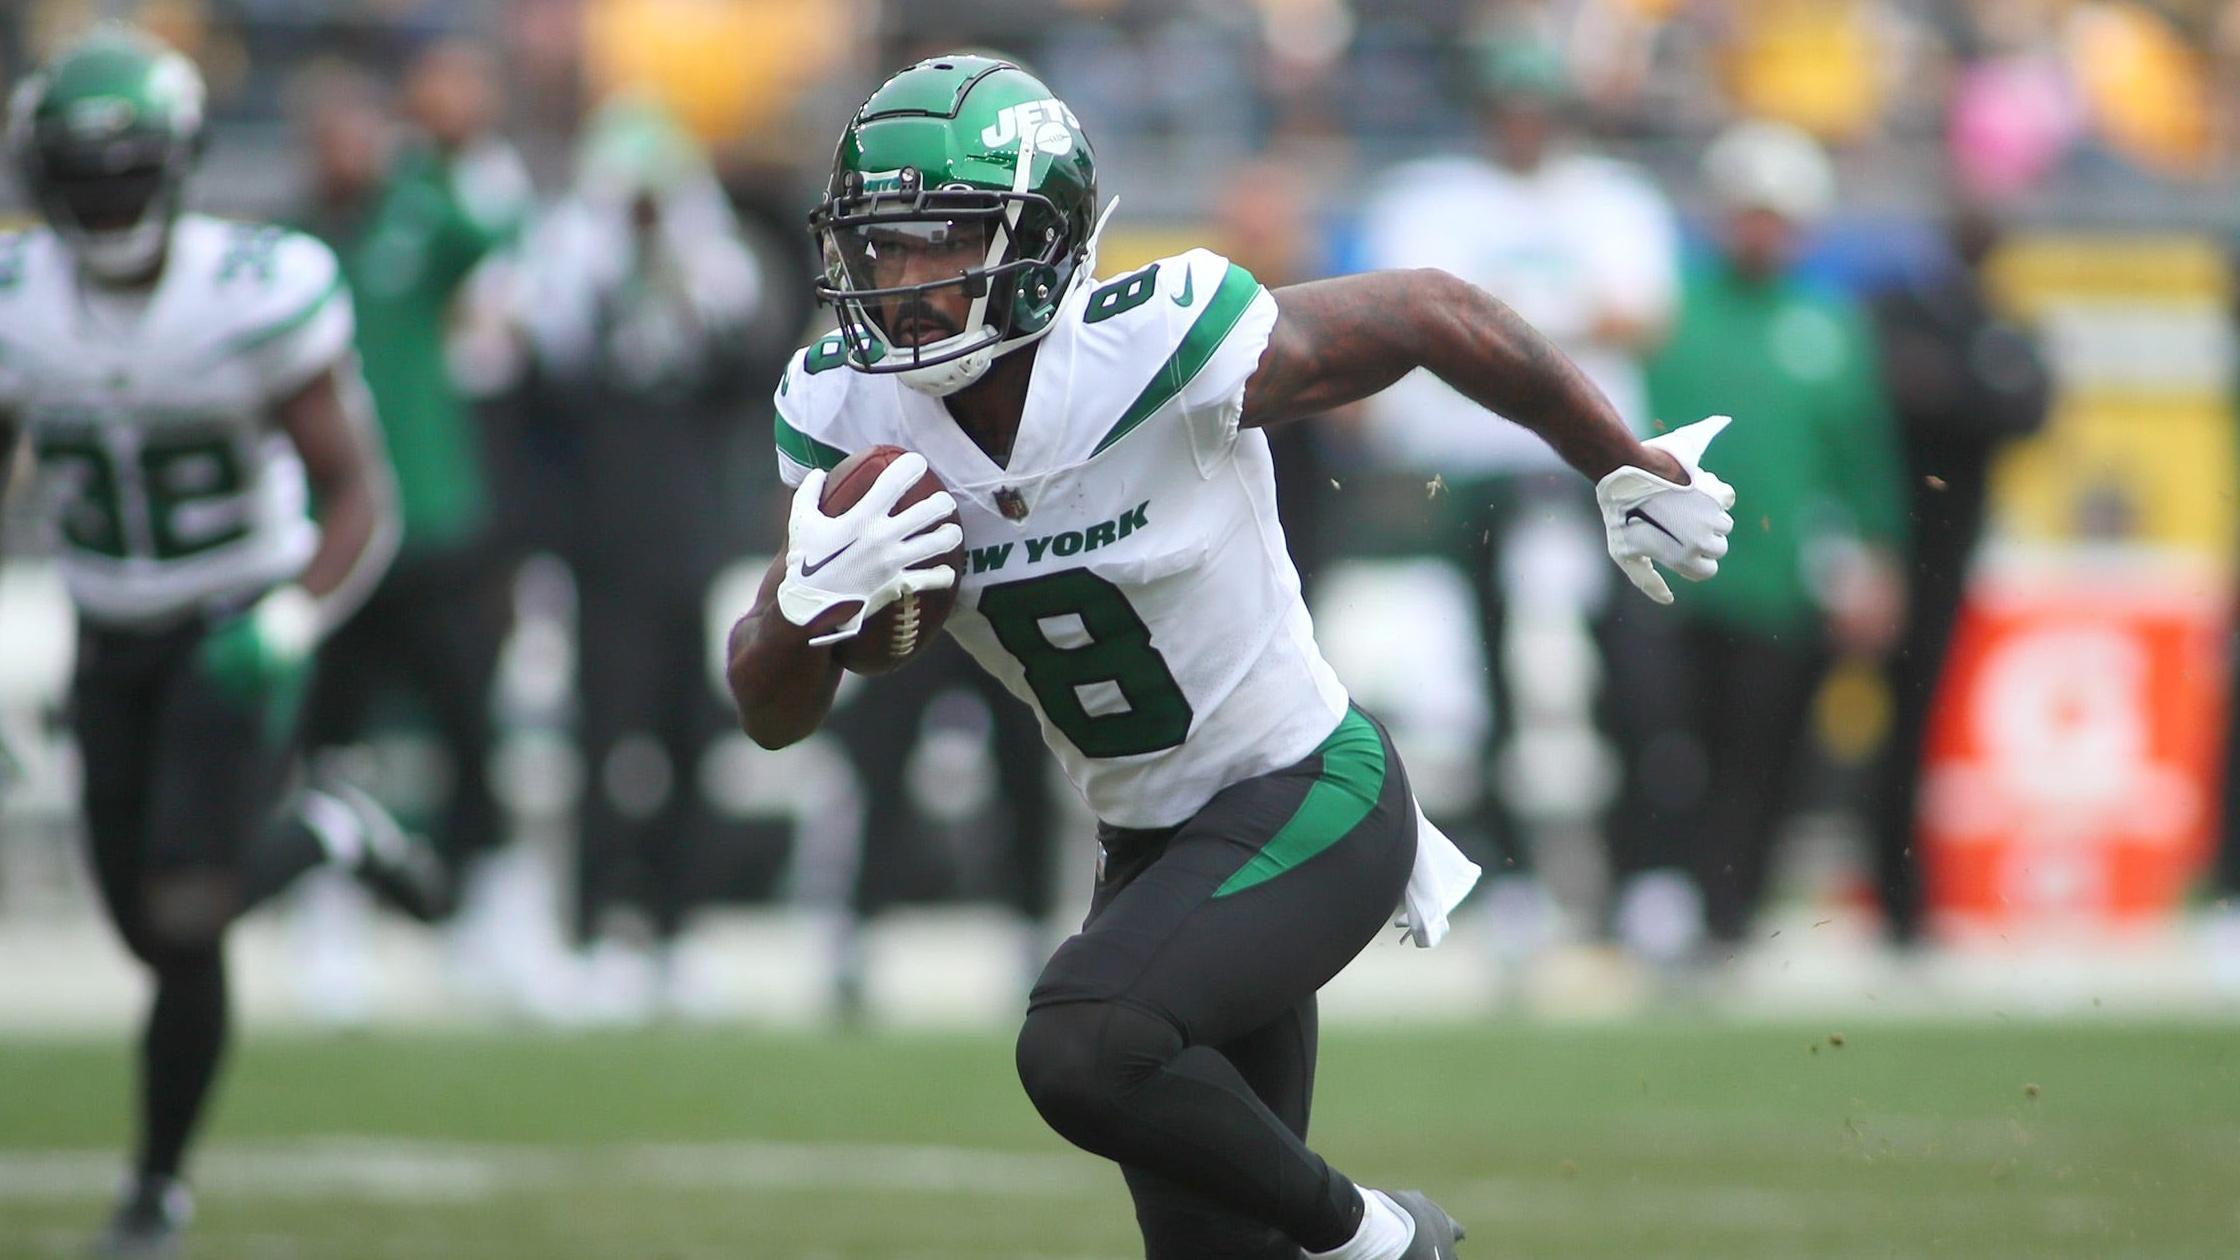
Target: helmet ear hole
<point>1034,299</point>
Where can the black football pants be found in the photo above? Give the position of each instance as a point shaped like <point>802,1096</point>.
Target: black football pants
<point>1175,1034</point>
<point>180,784</point>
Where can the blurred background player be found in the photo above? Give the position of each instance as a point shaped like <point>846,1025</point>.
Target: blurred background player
<point>410,218</point>
<point>1799,361</point>
<point>189,390</point>
<point>1585,248</point>
<point>646,316</point>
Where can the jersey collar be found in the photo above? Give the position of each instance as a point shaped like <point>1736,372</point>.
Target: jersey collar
<point>1038,447</point>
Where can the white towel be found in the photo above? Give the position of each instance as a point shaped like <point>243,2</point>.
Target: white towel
<point>1442,877</point>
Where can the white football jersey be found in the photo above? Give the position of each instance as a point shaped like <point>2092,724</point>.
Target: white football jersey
<point>1575,240</point>
<point>1126,574</point>
<point>165,483</point>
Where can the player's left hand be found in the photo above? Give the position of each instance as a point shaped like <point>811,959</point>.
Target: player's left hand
<point>1648,520</point>
<point>266,645</point>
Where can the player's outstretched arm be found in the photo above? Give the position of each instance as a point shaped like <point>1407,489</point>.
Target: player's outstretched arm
<point>1338,341</point>
<point>331,424</point>
<point>781,681</point>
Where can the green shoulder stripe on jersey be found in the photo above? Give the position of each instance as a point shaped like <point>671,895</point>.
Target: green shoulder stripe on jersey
<point>1223,310</point>
<point>281,328</point>
<point>1342,795</point>
<point>803,449</point>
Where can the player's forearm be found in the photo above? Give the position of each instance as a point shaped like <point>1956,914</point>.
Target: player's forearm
<point>358,536</point>
<point>1338,341</point>
<point>781,683</point>
<point>1490,355</point>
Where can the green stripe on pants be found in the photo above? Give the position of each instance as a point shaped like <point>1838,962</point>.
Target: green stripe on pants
<point>1341,796</point>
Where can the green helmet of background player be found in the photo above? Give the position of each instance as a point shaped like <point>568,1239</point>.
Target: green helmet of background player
<point>104,138</point>
<point>975,157</point>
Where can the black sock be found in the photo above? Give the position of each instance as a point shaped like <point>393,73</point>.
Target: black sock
<point>179,1055</point>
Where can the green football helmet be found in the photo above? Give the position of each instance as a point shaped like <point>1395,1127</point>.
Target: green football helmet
<point>962,173</point>
<point>104,138</point>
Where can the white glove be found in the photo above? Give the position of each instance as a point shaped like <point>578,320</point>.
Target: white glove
<point>1650,521</point>
<point>266,644</point>
<point>863,556</point>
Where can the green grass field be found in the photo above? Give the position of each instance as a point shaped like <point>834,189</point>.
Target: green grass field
<point>2003,1139</point>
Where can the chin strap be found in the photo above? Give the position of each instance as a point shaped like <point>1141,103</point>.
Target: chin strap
<point>1084,272</point>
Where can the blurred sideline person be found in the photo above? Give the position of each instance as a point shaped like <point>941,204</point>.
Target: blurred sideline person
<point>1585,249</point>
<point>410,223</point>
<point>218,501</point>
<point>1799,365</point>
<point>1962,383</point>
<point>641,305</point>
<point>1125,574</point>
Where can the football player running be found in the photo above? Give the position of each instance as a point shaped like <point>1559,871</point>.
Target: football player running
<point>188,388</point>
<point>1126,576</point>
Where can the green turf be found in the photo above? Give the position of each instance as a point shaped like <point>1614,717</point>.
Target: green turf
<point>1685,1140</point>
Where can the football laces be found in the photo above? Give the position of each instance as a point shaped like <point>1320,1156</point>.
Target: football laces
<point>906,624</point>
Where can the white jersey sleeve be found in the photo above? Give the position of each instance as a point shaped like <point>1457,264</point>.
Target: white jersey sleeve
<point>808,403</point>
<point>1186,332</point>
<point>298,323</point>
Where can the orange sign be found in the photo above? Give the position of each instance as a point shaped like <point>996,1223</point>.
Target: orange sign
<point>2075,750</point>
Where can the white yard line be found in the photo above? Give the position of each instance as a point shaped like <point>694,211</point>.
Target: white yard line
<point>454,1172</point>
<point>404,1171</point>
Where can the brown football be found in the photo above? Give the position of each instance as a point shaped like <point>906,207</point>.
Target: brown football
<point>894,635</point>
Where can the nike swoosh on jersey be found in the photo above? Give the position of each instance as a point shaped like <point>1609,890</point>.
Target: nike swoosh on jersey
<point>808,569</point>
<point>1189,278</point>
<point>1632,515</point>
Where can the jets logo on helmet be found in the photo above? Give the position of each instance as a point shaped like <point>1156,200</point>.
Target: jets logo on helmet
<point>959,218</point>
<point>104,137</point>
<point>1044,122</point>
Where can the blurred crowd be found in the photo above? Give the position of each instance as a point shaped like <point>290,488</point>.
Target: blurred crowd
<point>2021,93</point>
<point>572,229</point>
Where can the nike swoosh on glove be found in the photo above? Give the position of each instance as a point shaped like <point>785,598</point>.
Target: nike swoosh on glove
<point>1649,521</point>
<point>864,556</point>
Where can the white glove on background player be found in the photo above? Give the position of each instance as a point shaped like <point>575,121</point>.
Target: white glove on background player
<point>863,556</point>
<point>1649,521</point>
<point>265,644</point>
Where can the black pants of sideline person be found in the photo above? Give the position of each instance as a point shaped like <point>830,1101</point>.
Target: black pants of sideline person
<point>1632,707</point>
<point>1745,700</point>
<point>1947,518</point>
<point>882,729</point>
<point>643,675</point>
